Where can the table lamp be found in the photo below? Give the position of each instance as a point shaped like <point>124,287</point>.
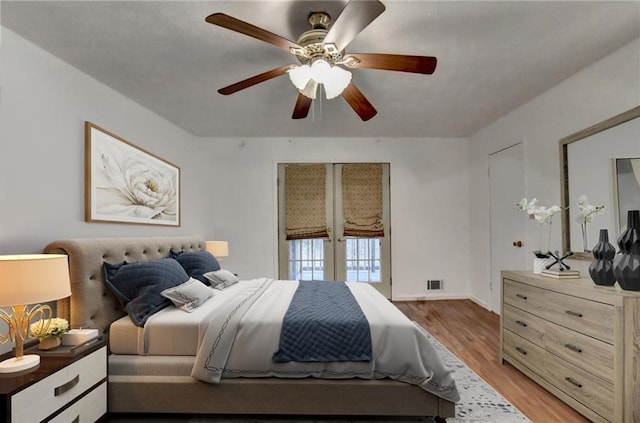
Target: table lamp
<point>219,249</point>
<point>29,279</point>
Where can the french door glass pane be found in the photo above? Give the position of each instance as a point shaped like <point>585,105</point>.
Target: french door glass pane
<point>306,259</point>
<point>363,259</point>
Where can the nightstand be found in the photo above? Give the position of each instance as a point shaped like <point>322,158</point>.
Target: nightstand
<point>62,389</point>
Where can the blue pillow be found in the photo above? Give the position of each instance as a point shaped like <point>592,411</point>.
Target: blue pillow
<point>138,285</point>
<point>197,263</point>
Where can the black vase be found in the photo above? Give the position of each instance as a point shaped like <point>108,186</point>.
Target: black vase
<point>626,265</point>
<point>601,268</point>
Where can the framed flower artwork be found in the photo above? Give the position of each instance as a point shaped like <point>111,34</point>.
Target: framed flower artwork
<point>126,184</point>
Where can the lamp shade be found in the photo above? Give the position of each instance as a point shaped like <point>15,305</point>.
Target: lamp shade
<point>218,248</point>
<point>333,78</point>
<point>33,278</point>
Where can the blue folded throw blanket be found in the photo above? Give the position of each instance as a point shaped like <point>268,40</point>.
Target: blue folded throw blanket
<point>324,323</point>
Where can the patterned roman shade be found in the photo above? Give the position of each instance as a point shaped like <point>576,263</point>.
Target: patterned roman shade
<point>305,201</point>
<point>362,200</point>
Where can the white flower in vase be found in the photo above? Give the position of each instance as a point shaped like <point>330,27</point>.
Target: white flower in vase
<point>586,212</point>
<point>542,215</point>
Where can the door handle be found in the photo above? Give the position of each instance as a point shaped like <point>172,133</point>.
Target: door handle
<point>517,244</point>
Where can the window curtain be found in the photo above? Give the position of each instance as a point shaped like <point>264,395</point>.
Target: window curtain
<point>305,201</point>
<point>362,200</point>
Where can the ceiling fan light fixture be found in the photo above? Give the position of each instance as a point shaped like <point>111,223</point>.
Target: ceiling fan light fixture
<point>310,89</point>
<point>333,78</point>
<point>300,76</point>
<point>334,81</point>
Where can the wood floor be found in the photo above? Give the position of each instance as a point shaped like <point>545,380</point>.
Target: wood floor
<point>472,333</point>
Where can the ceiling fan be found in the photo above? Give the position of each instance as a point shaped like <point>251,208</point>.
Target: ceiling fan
<point>320,52</point>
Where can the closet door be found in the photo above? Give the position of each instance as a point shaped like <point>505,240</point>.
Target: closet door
<point>355,245</point>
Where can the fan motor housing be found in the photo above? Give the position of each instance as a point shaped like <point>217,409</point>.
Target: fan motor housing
<point>312,41</point>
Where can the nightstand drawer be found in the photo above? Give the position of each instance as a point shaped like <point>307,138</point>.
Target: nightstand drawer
<point>524,324</point>
<point>581,350</point>
<point>89,409</point>
<point>43,398</point>
<point>525,297</point>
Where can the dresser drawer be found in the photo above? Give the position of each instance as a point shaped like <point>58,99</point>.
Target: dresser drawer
<point>583,351</point>
<point>525,297</point>
<point>585,388</point>
<point>588,317</point>
<point>524,324</point>
<point>88,410</point>
<point>60,388</point>
<point>523,351</point>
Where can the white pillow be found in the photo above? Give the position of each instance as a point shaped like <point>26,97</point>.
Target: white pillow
<point>221,279</point>
<point>189,295</point>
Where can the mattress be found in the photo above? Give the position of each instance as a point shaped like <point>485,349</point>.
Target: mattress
<point>169,332</point>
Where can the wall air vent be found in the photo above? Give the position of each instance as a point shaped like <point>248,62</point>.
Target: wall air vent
<point>435,285</point>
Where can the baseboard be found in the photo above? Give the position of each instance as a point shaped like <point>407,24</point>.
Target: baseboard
<point>428,297</point>
<point>480,302</point>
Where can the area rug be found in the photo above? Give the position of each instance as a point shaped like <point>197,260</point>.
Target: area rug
<point>479,403</point>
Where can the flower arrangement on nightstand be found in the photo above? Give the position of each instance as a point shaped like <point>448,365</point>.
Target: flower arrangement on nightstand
<point>49,333</point>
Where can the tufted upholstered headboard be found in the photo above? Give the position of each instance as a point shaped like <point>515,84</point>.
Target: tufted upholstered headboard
<point>92,305</point>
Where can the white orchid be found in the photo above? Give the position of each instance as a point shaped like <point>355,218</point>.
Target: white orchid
<point>540,213</point>
<point>586,211</point>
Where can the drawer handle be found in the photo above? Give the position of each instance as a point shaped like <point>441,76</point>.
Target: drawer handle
<point>573,313</point>
<point>76,420</point>
<point>524,297</point>
<point>573,348</point>
<point>521,350</point>
<point>573,382</point>
<point>67,386</point>
<point>521,323</point>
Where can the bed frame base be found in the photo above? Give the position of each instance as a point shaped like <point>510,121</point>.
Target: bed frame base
<point>183,394</point>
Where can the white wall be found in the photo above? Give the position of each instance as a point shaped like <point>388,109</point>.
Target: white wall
<point>43,105</point>
<point>606,88</point>
<point>429,203</point>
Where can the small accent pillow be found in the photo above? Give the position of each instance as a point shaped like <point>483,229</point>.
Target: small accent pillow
<point>138,285</point>
<point>188,296</point>
<point>196,263</point>
<point>221,279</point>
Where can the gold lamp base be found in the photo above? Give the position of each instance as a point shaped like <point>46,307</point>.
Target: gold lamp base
<point>16,364</point>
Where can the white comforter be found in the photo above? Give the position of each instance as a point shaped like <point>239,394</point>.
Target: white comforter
<point>243,334</point>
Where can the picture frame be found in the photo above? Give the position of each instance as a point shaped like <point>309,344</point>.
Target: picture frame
<point>627,188</point>
<point>127,184</point>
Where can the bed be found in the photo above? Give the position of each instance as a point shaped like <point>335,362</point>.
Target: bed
<point>162,383</point>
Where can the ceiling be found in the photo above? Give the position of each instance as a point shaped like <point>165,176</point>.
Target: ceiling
<point>492,57</point>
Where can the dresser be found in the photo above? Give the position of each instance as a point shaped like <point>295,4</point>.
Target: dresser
<point>578,340</point>
<point>61,389</point>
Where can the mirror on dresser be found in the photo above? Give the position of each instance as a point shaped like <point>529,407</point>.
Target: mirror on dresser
<point>601,162</point>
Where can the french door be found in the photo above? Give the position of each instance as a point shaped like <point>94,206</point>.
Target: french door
<point>335,256</point>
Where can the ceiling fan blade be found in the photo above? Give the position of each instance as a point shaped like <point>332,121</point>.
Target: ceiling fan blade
<point>394,62</point>
<point>303,104</point>
<point>233,88</point>
<point>245,28</point>
<point>359,102</point>
<point>355,17</point>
